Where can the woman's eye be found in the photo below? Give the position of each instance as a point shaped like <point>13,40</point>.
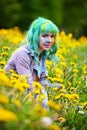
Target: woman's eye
<point>52,36</point>
<point>45,35</point>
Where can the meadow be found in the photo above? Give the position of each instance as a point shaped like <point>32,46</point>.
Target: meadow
<point>67,106</point>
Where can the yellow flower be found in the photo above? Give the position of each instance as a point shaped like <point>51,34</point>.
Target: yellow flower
<point>2,71</point>
<point>17,103</point>
<point>37,91</point>
<point>67,96</point>
<point>58,97</point>
<point>4,99</point>
<point>74,96</point>
<point>6,47</point>
<point>73,64</point>
<point>69,83</point>
<point>11,71</point>
<point>63,64</point>
<point>4,80</point>
<point>54,127</point>
<point>58,71</point>
<point>6,115</point>
<point>53,105</point>
<point>75,56</point>
<point>37,85</point>
<point>84,104</point>
<point>72,88</point>
<point>63,90</point>
<point>42,96</point>
<point>61,57</point>
<point>75,70</point>
<point>19,86</point>
<point>55,88</point>
<point>39,110</point>
<point>4,53</point>
<point>14,74</point>
<point>85,72</point>
<point>55,79</point>
<point>70,35</point>
<point>61,119</point>
<point>62,85</point>
<point>2,63</point>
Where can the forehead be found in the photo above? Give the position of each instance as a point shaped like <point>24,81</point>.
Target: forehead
<point>48,34</point>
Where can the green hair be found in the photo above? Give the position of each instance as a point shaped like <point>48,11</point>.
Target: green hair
<point>38,27</point>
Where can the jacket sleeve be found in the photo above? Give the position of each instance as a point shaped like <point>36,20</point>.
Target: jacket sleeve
<point>22,64</point>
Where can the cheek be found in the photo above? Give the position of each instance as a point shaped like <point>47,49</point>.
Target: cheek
<point>53,40</point>
<point>41,40</point>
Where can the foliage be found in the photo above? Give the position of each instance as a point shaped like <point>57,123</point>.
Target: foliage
<point>69,15</point>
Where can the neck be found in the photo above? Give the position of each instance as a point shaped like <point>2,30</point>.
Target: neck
<point>40,50</point>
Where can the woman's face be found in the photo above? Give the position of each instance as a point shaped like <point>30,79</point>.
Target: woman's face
<point>46,41</point>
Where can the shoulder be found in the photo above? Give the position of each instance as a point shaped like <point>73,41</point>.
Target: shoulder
<point>22,53</point>
<point>21,50</point>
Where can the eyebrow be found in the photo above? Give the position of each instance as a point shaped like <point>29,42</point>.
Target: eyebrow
<point>46,34</point>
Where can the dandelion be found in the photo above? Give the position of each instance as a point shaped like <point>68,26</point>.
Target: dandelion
<point>61,119</point>
<point>39,110</point>
<point>4,99</point>
<point>4,80</point>
<point>70,35</point>
<point>63,90</point>
<point>63,64</point>
<point>37,91</point>
<point>19,86</point>
<point>42,96</point>
<point>74,96</point>
<point>69,83</point>
<point>11,71</point>
<point>75,56</point>
<point>37,85</point>
<point>72,88</point>
<point>6,115</point>
<point>17,103</point>
<point>68,96</point>
<point>5,53</point>
<point>2,63</point>
<point>75,70</point>
<point>14,75</point>
<point>84,104</point>
<point>73,64</point>
<point>58,96</point>
<point>58,71</point>
<point>53,105</point>
<point>54,127</point>
<point>6,47</point>
<point>55,88</point>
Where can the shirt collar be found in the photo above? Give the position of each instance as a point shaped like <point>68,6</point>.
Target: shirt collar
<point>31,52</point>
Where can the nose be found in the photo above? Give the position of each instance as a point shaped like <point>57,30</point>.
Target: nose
<point>47,41</point>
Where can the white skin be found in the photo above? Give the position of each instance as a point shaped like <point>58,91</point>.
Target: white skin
<point>46,41</point>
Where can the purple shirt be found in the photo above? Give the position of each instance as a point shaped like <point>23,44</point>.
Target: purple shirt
<point>22,62</point>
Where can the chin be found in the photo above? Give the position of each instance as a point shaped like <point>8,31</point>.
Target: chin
<point>46,49</point>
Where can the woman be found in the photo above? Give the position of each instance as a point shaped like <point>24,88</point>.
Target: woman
<point>30,59</point>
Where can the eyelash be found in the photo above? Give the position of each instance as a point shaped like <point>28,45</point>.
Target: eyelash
<point>45,35</point>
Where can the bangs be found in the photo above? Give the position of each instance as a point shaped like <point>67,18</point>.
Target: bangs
<point>49,28</point>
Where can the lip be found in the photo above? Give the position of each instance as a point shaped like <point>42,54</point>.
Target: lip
<point>47,46</point>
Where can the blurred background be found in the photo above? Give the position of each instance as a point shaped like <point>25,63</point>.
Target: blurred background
<point>69,15</point>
